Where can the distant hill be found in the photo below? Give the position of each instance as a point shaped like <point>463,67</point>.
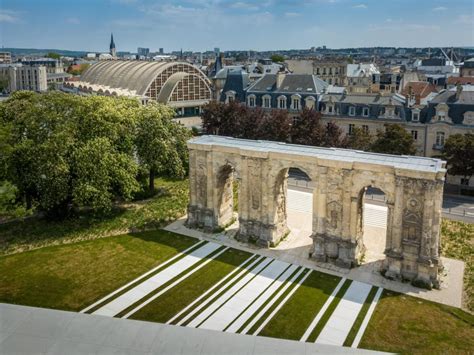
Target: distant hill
<point>40,52</point>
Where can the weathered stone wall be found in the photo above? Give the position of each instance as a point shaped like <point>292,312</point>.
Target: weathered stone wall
<point>413,198</point>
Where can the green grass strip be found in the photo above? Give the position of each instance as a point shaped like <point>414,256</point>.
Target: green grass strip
<point>238,290</point>
<point>169,304</point>
<point>212,295</point>
<point>135,284</point>
<point>275,304</point>
<point>292,320</point>
<point>360,317</point>
<point>168,283</point>
<point>324,319</point>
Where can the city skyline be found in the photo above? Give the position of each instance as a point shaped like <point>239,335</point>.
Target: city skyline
<point>262,25</point>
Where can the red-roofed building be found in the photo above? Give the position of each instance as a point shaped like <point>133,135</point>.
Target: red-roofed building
<point>416,91</point>
<point>455,81</point>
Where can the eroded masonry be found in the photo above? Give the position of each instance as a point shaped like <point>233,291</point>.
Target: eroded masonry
<point>413,187</point>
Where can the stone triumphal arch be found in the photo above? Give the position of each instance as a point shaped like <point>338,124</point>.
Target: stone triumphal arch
<point>413,187</point>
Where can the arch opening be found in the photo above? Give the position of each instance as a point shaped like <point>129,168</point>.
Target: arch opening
<point>372,224</point>
<point>294,208</point>
<point>227,196</point>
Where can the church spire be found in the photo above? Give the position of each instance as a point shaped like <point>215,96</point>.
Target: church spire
<point>112,46</point>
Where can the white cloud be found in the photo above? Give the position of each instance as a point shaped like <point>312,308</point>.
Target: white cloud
<point>9,16</point>
<point>360,6</point>
<point>73,21</point>
<point>244,6</point>
<point>440,8</point>
<point>466,19</point>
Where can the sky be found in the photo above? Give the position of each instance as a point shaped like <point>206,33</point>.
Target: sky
<point>201,25</point>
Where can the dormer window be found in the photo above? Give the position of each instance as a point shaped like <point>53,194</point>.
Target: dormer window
<point>415,115</point>
<point>229,97</point>
<point>310,102</point>
<point>251,101</point>
<point>441,116</point>
<point>352,111</point>
<point>282,102</point>
<point>295,102</point>
<point>330,109</point>
<point>267,101</point>
<point>365,111</point>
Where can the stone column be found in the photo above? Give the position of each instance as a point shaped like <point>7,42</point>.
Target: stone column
<point>393,261</point>
<point>319,217</point>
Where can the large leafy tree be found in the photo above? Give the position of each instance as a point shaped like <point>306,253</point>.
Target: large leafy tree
<point>360,139</point>
<point>394,140</point>
<point>458,151</point>
<point>275,127</point>
<point>69,151</point>
<point>307,129</point>
<point>161,143</point>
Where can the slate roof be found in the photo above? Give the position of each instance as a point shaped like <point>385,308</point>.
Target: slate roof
<point>292,83</point>
<point>449,96</point>
<point>361,70</point>
<point>237,81</point>
<point>363,99</point>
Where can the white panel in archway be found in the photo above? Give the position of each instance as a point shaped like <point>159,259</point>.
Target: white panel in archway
<point>375,215</point>
<point>299,201</point>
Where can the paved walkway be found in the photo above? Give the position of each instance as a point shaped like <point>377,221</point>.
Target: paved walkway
<point>28,330</point>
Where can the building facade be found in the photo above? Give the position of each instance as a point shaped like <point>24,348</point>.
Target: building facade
<point>24,77</point>
<point>332,72</point>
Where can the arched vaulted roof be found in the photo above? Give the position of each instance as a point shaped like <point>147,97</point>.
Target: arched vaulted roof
<point>136,76</point>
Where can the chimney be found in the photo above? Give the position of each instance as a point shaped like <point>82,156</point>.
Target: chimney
<point>458,91</point>
<point>279,79</point>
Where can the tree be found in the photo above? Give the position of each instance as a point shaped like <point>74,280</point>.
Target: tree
<point>334,136</point>
<point>277,58</point>
<point>53,55</point>
<point>307,129</point>
<point>161,143</point>
<point>360,139</point>
<point>67,151</point>
<point>78,69</point>
<point>394,140</point>
<point>275,127</point>
<point>458,151</point>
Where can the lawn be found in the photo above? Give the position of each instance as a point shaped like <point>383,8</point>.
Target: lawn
<point>458,242</point>
<point>73,276</point>
<point>169,204</point>
<point>405,324</point>
<point>169,304</point>
<point>292,320</point>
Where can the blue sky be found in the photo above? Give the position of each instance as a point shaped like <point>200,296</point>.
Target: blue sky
<point>234,24</point>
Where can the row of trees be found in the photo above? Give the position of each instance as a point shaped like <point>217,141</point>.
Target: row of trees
<point>59,151</point>
<point>239,121</point>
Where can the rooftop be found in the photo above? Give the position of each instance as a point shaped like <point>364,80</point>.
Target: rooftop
<point>404,162</point>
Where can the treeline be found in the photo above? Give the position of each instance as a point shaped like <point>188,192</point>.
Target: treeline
<point>238,121</point>
<point>59,152</point>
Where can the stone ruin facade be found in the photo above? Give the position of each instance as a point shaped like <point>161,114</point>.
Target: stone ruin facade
<point>413,187</point>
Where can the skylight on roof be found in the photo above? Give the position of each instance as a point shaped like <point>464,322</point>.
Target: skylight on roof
<point>286,88</point>
<point>309,89</point>
<point>269,88</point>
<point>299,89</point>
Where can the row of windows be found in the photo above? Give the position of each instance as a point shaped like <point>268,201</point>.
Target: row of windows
<point>329,71</point>
<point>295,102</point>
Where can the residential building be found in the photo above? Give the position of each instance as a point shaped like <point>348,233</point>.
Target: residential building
<point>359,77</point>
<point>5,57</point>
<point>332,72</point>
<point>145,52</point>
<point>53,66</point>
<point>24,77</point>
<point>467,68</point>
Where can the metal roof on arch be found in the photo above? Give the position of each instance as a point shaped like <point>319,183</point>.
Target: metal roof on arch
<point>132,76</point>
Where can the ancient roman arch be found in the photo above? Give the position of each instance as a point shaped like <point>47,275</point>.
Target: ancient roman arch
<point>413,187</point>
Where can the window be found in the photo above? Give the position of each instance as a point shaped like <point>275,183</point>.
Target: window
<point>251,101</point>
<point>365,128</point>
<point>414,135</point>
<point>330,81</point>
<point>415,116</point>
<point>295,120</point>
<point>324,71</point>
<point>229,96</point>
<point>365,111</point>
<point>267,101</point>
<point>351,129</point>
<point>440,139</point>
<point>352,111</point>
<point>441,116</point>
<point>282,102</point>
<point>464,182</point>
<point>310,102</point>
<point>330,109</point>
<point>317,71</point>
<point>295,102</point>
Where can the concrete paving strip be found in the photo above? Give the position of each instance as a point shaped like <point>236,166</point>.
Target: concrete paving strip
<point>141,277</point>
<point>272,302</point>
<point>227,277</point>
<point>366,320</point>
<point>216,304</point>
<point>135,294</point>
<point>226,314</point>
<point>265,296</point>
<point>198,308</point>
<point>169,287</point>
<point>321,312</point>
<point>282,303</point>
<point>340,323</point>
